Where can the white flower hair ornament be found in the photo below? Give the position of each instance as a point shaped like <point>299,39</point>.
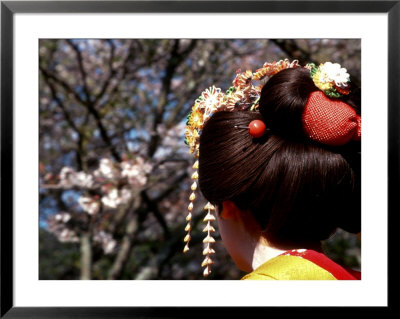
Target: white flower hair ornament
<point>330,78</point>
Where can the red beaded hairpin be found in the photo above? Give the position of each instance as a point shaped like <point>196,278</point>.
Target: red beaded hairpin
<point>256,128</point>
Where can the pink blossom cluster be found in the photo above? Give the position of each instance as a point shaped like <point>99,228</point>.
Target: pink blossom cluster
<point>89,204</point>
<point>110,185</point>
<point>135,171</point>
<point>108,177</point>
<point>107,242</point>
<point>58,226</point>
<point>70,178</point>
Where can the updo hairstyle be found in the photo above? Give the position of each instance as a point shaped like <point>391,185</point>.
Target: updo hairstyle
<point>298,191</point>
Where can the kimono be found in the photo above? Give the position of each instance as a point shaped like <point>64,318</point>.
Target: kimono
<point>302,264</point>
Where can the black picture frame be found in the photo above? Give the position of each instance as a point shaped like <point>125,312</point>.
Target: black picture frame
<point>9,8</point>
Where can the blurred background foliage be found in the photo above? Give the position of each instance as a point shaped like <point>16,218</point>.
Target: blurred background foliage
<point>114,169</point>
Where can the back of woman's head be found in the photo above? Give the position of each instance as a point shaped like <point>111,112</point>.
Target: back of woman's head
<point>298,191</point>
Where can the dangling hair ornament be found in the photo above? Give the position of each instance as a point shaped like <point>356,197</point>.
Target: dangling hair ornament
<point>241,96</point>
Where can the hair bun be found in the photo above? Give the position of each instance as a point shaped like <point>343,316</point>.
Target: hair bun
<point>294,108</point>
<point>283,99</point>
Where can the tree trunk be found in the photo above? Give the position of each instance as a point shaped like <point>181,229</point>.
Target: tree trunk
<point>86,257</point>
<point>125,249</point>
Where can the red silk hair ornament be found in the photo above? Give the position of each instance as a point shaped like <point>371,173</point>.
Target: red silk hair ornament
<point>330,122</point>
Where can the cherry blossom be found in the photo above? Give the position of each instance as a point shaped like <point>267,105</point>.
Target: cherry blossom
<point>57,225</point>
<point>111,199</point>
<point>70,178</point>
<point>63,217</point>
<point>89,205</point>
<point>136,171</point>
<point>106,240</point>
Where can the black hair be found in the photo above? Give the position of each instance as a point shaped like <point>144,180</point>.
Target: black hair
<point>298,191</point>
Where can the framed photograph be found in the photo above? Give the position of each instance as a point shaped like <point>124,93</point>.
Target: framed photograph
<point>95,174</point>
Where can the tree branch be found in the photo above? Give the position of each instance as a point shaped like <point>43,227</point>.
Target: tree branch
<point>80,151</point>
<point>81,68</point>
<point>153,207</point>
<point>126,244</point>
<point>63,84</point>
<point>103,132</point>
<point>112,71</point>
<point>168,249</point>
<point>86,257</point>
<point>176,58</point>
<point>90,107</point>
<point>291,48</point>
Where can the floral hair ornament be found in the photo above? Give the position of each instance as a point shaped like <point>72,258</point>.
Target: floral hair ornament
<point>326,119</point>
<point>241,96</point>
<point>330,78</point>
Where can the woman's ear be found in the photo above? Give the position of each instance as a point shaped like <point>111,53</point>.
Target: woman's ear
<point>229,210</point>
